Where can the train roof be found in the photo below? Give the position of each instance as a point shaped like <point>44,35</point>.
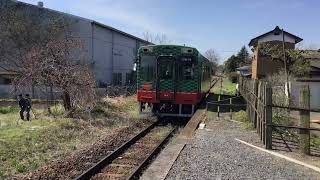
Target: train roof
<point>158,47</point>
<point>162,47</point>
<point>169,45</point>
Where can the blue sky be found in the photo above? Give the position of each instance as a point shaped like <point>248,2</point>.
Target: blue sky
<point>224,25</point>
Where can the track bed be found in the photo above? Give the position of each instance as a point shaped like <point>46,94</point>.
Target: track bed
<point>127,161</point>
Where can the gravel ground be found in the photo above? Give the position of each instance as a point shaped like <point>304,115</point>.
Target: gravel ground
<point>215,154</point>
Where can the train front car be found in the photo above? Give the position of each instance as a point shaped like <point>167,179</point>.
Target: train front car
<point>171,80</point>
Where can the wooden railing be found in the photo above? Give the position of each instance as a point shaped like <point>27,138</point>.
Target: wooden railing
<point>258,95</point>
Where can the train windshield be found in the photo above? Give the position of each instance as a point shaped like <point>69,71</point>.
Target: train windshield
<point>148,68</point>
<point>165,68</point>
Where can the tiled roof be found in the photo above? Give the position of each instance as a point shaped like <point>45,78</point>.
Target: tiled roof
<point>275,30</point>
<point>313,56</point>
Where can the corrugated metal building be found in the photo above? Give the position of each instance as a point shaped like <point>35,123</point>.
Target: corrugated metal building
<point>111,51</point>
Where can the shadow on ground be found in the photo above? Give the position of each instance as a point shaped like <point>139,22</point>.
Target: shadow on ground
<point>288,141</point>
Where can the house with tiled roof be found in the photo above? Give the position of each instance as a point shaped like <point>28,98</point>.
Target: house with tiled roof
<point>264,65</point>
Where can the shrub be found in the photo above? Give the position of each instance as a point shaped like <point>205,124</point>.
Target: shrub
<point>315,141</point>
<point>281,118</point>
<point>8,109</point>
<point>57,110</point>
<point>241,116</point>
<point>248,126</point>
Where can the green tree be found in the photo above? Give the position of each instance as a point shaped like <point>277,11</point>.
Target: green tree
<point>231,64</point>
<point>244,56</point>
<point>295,60</point>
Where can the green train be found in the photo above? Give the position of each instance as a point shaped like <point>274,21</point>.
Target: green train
<point>172,79</point>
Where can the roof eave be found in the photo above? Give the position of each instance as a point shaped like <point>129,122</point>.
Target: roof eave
<point>121,32</point>
<point>253,41</point>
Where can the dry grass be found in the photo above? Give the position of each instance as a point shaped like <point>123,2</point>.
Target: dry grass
<point>228,88</point>
<point>26,145</point>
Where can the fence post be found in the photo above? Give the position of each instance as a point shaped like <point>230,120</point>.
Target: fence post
<point>230,108</point>
<point>268,108</point>
<point>218,108</point>
<point>255,103</point>
<point>304,141</point>
<point>247,99</point>
<point>259,107</point>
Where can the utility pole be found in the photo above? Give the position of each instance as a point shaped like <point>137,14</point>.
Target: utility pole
<point>285,67</point>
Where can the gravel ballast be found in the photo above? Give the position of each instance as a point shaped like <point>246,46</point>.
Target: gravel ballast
<point>215,154</point>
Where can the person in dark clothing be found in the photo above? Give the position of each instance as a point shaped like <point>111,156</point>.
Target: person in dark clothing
<point>25,106</point>
<point>22,105</point>
<point>28,108</point>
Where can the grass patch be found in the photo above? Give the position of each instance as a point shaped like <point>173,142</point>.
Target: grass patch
<point>242,116</point>
<point>228,88</point>
<point>27,145</point>
<point>8,109</point>
<point>247,126</point>
<point>57,110</point>
<point>315,141</point>
<point>124,107</point>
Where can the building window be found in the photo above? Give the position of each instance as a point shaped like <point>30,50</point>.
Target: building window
<point>5,80</point>
<point>117,79</point>
<point>129,78</point>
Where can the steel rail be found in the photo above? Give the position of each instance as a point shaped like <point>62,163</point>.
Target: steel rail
<point>136,172</point>
<point>95,169</point>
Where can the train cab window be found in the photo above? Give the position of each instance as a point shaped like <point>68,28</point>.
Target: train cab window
<point>166,70</point>
<point>148,68</point>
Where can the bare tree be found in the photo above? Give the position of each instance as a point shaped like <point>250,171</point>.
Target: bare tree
<point>148,37</point>
<point>213,57</point>
<point>40,49</point>
<point>156,38</point>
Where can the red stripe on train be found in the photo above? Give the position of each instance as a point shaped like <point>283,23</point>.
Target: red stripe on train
<point>180,97</point>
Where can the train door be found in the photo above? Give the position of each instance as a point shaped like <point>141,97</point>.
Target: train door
<point>166,78</point>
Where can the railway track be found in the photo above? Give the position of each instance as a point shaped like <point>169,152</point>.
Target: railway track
<point>129,159</point>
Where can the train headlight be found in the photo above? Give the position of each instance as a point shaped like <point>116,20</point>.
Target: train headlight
<point>187,50</point>
<point>134,67</point>
<point>147,49</point>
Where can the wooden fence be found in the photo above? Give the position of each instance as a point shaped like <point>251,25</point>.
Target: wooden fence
<point>258,95</point>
